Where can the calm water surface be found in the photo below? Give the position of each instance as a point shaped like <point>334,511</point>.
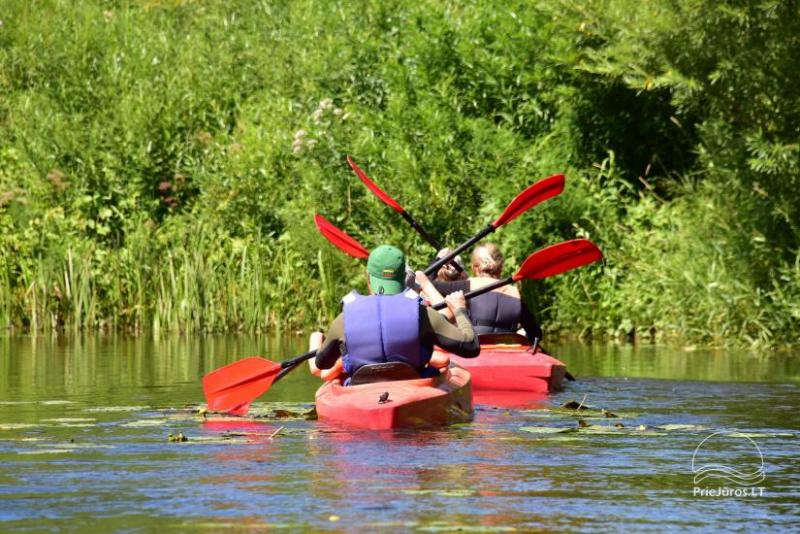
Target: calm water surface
<point>84,426</point>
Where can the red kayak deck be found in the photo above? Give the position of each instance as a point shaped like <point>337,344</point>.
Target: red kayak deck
<point>511,367</point>
<point>443,400</point>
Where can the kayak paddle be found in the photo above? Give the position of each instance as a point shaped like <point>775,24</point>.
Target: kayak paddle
<point>532,195</point>
<point>392,203</point>
<point>550,261</point>
<point>339,238</point>
<point>233,387</point>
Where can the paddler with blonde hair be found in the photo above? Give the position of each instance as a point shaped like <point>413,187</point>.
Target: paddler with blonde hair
<point>499,311</point>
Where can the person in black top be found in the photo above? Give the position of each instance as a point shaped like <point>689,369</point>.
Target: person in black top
<point>498,311</point>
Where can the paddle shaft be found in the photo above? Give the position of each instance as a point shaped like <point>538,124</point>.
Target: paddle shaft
<point>434,267</point>
<point>479,291</point>
<point>289,365</point>
<point>392,203</point>
<point>420,230</point>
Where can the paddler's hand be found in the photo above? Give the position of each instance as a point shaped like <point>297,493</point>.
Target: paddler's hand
<point>456,301</point>
<point>422,280</point>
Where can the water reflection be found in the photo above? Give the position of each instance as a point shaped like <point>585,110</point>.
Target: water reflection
<point>84,425</point>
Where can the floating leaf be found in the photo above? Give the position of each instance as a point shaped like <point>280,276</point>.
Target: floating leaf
<point>680,427</point>
<point>146,423</point>
<point>761,434</point>
<point>575,405</point>
<point>547,430</point>
<point>113,409</point>
<point>76,446</point>
<point>70,420</point>
<point>16,426</point>
<point>218,440</point>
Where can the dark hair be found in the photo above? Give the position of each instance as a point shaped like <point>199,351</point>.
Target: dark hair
<point>447,272</point>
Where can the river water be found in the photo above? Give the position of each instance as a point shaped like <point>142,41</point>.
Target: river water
<point>85,426</point>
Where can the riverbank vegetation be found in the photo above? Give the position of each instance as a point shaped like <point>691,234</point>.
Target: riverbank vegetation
<point>161,161</point>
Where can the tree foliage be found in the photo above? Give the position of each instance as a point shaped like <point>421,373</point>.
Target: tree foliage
<point>161,160</point>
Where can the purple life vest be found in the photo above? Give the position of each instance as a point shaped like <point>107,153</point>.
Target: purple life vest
<point>383,328</point>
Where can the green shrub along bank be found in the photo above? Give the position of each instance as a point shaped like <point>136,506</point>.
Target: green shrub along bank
<point>160,161</point>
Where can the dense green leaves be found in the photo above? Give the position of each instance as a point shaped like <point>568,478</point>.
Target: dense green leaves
<point>161,161</point>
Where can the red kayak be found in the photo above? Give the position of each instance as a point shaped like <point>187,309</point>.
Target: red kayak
<point>443,400</point>
<point>505,363</point>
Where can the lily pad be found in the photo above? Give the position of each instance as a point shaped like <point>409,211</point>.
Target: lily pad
<point>114,409</point>
<point>575,405</point>
<point>143,423</point>
<point>76,446</point>
<point>762,434</point>
<point>218,440</point>
<point>70,420</point>
<point>547,430</point>
<point>16,426</point>
<point>670,428</point>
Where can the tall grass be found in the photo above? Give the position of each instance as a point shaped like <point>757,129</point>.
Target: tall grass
<point>160,161</point>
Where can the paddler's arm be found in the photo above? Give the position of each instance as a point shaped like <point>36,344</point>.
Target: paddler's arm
<point>431,294</point>
<point>330,351</point>
<point>459,339</point>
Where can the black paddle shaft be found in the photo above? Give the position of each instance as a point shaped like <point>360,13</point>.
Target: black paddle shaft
<point>426,236</point>
<point>289,365</point>
<point>420,230</point>
<point>434,267</point>
<point>479,291</point>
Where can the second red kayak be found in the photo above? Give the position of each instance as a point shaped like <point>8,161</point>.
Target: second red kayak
<point>506,363</point>
<point>443,400</point>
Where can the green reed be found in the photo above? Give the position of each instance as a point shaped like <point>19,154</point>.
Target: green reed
<point>161,162</point>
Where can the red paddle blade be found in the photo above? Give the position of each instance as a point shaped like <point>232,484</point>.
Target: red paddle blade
<point>531,196</point>
<point>232,388</point>
<point>339,238</point>
<point>558,258</point>
<point>380,193</point>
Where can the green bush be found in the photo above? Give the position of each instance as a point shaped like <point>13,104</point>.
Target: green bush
<point>161,160</point>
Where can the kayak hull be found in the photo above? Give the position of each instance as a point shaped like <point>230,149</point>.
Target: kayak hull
<point>443,400</point>
<point>513,368</point>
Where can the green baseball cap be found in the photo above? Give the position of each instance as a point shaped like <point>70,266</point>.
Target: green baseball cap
<point>386,267</point>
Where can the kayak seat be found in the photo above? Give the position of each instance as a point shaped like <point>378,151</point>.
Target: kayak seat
<point>503,338</point>
<point>383,372</point>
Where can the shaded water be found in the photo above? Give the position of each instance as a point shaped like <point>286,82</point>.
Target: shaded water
<point>84,427</point>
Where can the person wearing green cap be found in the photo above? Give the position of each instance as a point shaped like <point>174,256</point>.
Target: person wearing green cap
<point>391,325</point>
<point>386,268</point>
